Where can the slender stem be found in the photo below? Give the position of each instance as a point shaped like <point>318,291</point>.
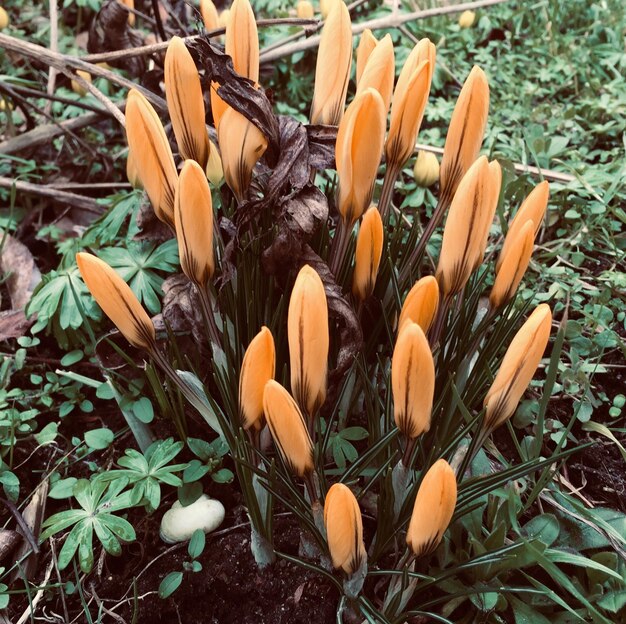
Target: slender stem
<point>435,331</point>
<point>339,247</point>
<point>389,182</point>
<point>207,314</point>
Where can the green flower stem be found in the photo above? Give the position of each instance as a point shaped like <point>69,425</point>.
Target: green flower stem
<point>386,194</point>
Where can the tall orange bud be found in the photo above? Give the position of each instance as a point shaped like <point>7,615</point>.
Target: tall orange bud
<point>409,102</point>
<point>241,144</point>
<point>412,381</point>
<point>433,509</point>
<point>288,428</point>
<point>242,40</point>
<point>465,133</point>
<point>185,102</point>
<point>307,329</point>
<point>332,72</point>
<point>533,209</point>
<point>518,367</point>
<point>366,46</point>
<point>209,15</point>
<point>467,226</point>
<point>117,301</point>
<point>369,248</point>
<point>152,154</point>
<point>344,529</point>
<point>420,305</point>
<point>193,212</point>
<point>257,369</point>
<point>357,153</point>
<point>379,71</point>
<point>513,265</point>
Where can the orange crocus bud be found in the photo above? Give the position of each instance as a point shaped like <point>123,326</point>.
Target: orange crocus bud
<point>344,529</point>
<point>420,305</point>
<point>433,509</point>
<point>518,367</point>
<point>357,153</point>
<point>369,248</point>
<point>209,15</point>
<point>288,428</point>
<point>412,381</point>
<point>332,72</point>
<point>193,212</point>
<point>513,266</point>
<point>533,209</point>
<point>307,329</point>
<point>241,144</point>
<point>185,103</point>
<point>467,226</point>
<point>257,369</point>
<point>152,154</point>
<point>465,133</point>
<point>242,40</point>
<point>366,46</point>
<point>117,301</point>
<point>409,102</point>
<point>379,71</point>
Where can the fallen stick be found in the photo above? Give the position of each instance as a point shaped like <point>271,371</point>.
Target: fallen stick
<point>43,190</point>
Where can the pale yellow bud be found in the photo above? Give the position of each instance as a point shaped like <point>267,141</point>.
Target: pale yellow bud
<point>304,10</point>
<point>214,170</point>
<point>4,18</point>
<point>467,19</point>
<point>79,88</point>
<point>426,169</point>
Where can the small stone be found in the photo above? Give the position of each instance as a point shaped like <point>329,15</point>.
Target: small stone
<point>179,523</point>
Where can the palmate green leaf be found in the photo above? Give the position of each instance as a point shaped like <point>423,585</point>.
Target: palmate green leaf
<point>77,535</point>
<point>61,521</point>
<point>138,265</point>
<point>119,526</point>
<point>109,542</point>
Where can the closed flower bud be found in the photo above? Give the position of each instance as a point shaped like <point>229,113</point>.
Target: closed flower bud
<point>242,40</point>
<point>412,381</point>
<point>117,301</point>
<point>77,87</point>
<point>332,72</point>
<point>420,305</point>
<point>433,509</point>
<point>518,367</point>
<point>379,71</point>
<point>214,170</point>
<point>132,173</point>
<point>193,212</point>
<point>288,428</point>
<point>533,209</point>
<point>224,18</point>
<point>241,146</point>
<point>467,226</point>
<point>357,153</point>
<point>344,529</point>
<point>513,266</point>
<point>304,10</point>
<point>218,106</point>
<point>466,19</point>
<point>185,103</point>
<point>152,154</point>
<point>366,46</point>
<point>426,169</point>
<point>307,328</point>
<point>369,248</point>
<point>326,6</point>
<point>209,15</point>
<point>465,133</point>
<point>257,369</point>
<point>4,18</point>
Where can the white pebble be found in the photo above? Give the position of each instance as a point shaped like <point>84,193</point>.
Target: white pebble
<point>179,523</point>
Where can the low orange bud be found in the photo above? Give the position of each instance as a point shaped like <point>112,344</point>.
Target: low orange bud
<point>344,529</point>
<point>288,428</point>
<point>369,248</point>
<point>242,40</point>
<point>433,509</point>
<point>412,381</point>
<point>518,367</point>
<point>209,15</point>
<point>367,43</point>
<point>379,71</point>
<point>420,305</point>
<point>257,369</point>
<point>117,301</point>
